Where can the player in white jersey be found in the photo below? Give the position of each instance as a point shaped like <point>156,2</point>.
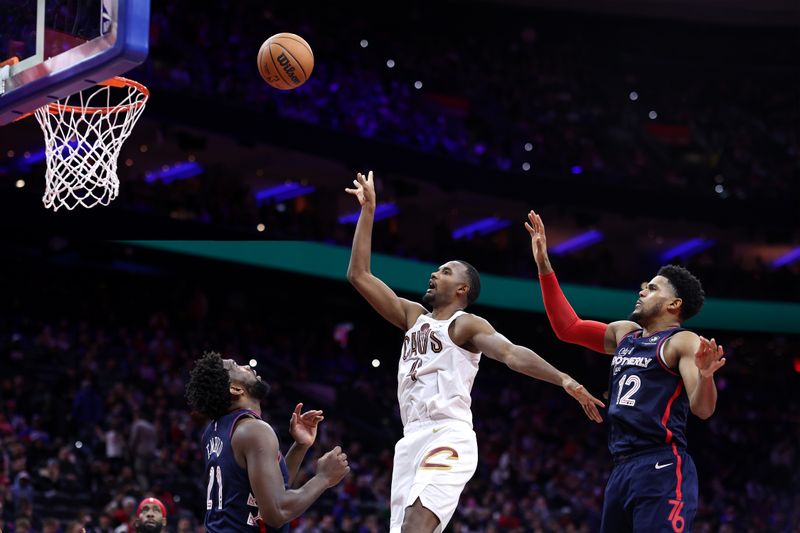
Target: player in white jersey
<point>438,453</point>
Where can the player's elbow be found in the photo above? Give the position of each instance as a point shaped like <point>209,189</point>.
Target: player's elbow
<point>702,412</point>
<point>356,276</point>
<point>565,334</point>
<point>511,360</point>
<point>273,517</point>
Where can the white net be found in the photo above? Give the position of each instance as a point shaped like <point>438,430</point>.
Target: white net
<point>83,137</point>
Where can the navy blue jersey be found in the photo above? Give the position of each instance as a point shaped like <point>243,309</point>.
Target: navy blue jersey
<point>648,405</point>
<point>230,504</point>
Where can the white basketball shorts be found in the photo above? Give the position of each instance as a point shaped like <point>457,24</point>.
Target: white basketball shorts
<point>432,462</point>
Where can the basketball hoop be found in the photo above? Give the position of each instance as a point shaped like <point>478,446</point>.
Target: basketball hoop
<point>83,136</point>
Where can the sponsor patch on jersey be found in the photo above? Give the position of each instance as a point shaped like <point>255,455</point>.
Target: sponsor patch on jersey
<point>642,362</point>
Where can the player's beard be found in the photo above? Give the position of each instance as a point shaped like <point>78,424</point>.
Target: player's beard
<point>148,527</point>
<point>428,298</point>
<point>257,389</point>
<point>641,316</point>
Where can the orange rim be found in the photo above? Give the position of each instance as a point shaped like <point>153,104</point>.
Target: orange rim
<point>10,61</point>
<point>117,81</point>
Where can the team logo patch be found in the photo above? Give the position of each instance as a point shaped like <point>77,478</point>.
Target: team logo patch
<point>427,464</point>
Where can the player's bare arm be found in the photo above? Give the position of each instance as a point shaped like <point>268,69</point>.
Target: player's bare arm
<point>255,447</point>
<point>399,311</point>
<point>303,429</point>
<point>474,333</point>
<point>567,325</point>
<point>697,359</point>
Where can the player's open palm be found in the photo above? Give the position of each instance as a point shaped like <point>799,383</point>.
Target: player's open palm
<point>364,189</point>
<point>709,357</point>
<point>587,401</point>
<point>535,228</point>
<point>303,427</point>
<point>332,467</point>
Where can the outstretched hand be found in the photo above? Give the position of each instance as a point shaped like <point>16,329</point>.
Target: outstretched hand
<point>709,357</point>
<point>587,401</point>
<point>303,427</point>
<point>535,228</point>
<point>365,189</point>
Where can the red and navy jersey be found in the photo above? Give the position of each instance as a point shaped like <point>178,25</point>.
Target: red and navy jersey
<point>230,504</point>
<point>648,405</point>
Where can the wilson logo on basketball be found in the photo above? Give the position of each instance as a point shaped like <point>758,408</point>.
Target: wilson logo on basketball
<point>287,67</point>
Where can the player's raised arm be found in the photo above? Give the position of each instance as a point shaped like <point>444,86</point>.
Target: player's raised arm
<point>565,322</point>
<point>303,429</point>
<point>258,446</point>
<point>399,311</point>
<point>475,332</point>
<point>699,359</point>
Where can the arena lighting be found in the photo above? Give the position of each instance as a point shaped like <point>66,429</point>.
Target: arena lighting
<point>577,242</point>
<point>283,192</point>
<point>483,226</point>
<point>176,172</point>
<point>37,156</point>
<point>382,211</point>
<point>788,258</point>
<point>687,248</point>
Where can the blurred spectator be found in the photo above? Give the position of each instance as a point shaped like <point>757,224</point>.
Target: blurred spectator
<point>22,489</point>
<point>142,443</point>
<point>151,516</point>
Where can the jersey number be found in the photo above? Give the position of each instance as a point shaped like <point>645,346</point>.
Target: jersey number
<point>413,372</point>
<point>209,500</point>
<point>635,382</point>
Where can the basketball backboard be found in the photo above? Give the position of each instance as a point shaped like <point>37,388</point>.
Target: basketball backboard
<point>54,48</point>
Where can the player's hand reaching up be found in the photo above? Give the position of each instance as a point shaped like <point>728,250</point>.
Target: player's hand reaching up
<point>709,357</point>
<point>332,467</point>
<point>303,427</point>
<point>587,401</point>
<point>535,228</point>
<point>365,189</point>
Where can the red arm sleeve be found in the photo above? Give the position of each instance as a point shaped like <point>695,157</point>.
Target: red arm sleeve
<point>565,323</point>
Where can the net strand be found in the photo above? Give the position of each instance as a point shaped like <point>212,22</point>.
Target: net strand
<point>82,147</point>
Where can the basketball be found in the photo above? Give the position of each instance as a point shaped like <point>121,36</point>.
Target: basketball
<point>285,61</point>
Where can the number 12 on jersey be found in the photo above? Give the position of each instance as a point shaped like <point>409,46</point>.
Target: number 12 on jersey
<point>209,500</point>
<point>635,382</point>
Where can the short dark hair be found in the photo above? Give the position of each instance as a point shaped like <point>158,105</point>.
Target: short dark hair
<point>208,390</point>
<point>473,280</point>
<point>687,288</point>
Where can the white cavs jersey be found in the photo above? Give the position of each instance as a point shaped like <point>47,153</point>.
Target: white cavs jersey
<point>435,376</point>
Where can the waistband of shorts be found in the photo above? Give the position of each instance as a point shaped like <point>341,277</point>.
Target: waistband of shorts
<point>418,425</point>
<point>620,458</point>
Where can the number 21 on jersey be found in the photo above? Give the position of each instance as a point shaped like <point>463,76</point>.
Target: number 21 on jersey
<point>209,500</point>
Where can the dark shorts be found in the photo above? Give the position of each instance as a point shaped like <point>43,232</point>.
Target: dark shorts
<point>652,492</point>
